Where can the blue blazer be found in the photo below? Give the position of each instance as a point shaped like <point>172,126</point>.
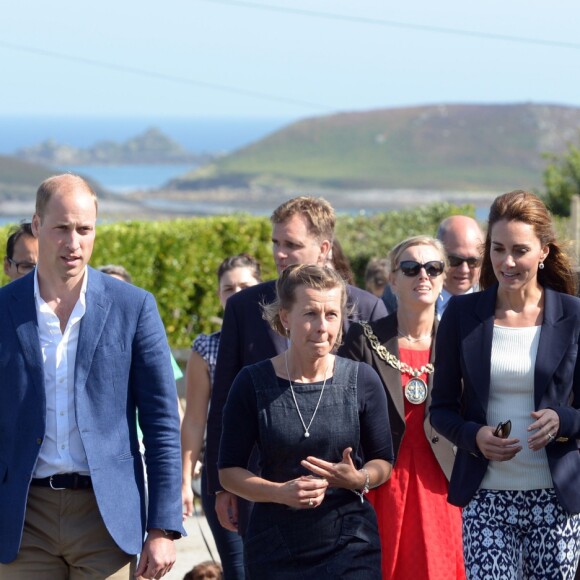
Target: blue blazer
<point>461,388</point>
<point>122,364</point>
<point>247,338</point>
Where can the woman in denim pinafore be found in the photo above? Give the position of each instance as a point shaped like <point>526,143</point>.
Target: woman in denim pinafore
<point>310,519</point>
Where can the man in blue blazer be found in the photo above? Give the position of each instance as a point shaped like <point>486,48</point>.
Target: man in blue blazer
<point>80,352</point>
<point>302,233</point>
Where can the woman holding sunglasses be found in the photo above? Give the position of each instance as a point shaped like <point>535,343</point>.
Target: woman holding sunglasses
<point>420,532</point>
<point>507,393</point>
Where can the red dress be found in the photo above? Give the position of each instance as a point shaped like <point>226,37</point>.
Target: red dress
<point>420,532</point>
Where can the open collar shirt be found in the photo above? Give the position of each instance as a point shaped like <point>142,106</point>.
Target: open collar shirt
<point>62,449</point>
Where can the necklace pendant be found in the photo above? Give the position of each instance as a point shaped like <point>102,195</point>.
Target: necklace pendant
<point>416,391</point>
<point>306,434</point>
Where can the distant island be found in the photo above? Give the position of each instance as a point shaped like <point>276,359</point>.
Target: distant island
<point>377,160</point>
<point>467,148</point>
<point>150,147</point>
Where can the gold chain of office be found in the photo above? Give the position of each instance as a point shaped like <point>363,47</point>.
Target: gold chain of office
<point>389,357</point>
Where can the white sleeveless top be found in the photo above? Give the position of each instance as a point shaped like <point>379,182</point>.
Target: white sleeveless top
<point>511,396</point>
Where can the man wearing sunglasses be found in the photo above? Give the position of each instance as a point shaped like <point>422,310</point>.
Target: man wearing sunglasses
<point>463,241</point>
<point>21,252</point>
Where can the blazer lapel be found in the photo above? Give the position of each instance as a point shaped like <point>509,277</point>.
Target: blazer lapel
<point>98,305</point>
<point>432,361</point>
<point>390,376</point>
<point>279,343</point>
<point>25,322</point>
<point>554,342</point>
<point>477,333</point>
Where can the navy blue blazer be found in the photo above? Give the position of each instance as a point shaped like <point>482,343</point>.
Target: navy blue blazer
<point>461,388</point>
<point>246,339</point>
<point>122,364</point>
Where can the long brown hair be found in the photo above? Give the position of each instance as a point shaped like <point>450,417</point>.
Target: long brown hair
<point>528,208</point>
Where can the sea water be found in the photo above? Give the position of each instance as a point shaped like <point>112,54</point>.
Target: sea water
<point>198,135</point>
<point>209,135</point>
<point>127,178</point>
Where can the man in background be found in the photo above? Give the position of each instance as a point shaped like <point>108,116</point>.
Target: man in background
<point>21,252</point>
<point>463,241</point>
<point>302,233</point>
<point>81,353</point>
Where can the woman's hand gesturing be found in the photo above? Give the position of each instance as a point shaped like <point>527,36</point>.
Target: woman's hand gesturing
<point>343,474</point>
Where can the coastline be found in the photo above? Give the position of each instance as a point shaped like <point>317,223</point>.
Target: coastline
<point>168,204</point>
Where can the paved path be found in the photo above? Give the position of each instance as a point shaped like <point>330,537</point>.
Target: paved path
<point>192,550</point>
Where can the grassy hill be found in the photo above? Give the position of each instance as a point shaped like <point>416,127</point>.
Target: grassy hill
<point>16,172</point>
<point>446,147</point>
<point>20,179</point>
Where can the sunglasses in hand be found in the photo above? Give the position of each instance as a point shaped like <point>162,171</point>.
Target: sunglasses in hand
<point>503,430</point>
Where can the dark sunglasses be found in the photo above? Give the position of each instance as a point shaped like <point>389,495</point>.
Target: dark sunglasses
<point>503,430</point>
<point>455,261</point>
<point>412,268</point>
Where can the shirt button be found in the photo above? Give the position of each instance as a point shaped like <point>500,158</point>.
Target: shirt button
<point>62,446</point>
<point>61,413</point>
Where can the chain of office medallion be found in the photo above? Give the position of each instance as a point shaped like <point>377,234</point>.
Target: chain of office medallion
<point>389,357</point>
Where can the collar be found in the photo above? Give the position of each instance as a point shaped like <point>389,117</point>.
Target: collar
<point>83,293</point>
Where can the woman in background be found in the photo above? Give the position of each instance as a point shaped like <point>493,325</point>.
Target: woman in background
<point>420,531</point>
<point>507,393</point>
<point>234,274</point>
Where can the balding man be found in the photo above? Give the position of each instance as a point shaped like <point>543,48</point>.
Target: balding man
<point>80,353</point>
<point>463,241</point>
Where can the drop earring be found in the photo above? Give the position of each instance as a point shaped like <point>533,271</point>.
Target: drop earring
<point>541,265</point>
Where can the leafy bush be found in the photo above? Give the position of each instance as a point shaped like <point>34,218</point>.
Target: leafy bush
<point>177,260</point>
<point>562,180</point>
<point>363,237</point>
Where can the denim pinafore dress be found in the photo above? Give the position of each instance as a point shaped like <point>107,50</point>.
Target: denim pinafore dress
<point>339,538</point>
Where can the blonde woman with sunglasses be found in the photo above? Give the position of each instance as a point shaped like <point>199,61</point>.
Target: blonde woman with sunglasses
<point>420,532</point>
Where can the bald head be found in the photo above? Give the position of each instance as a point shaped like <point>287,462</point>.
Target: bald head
<point>463,241</point>
<point>64,224</point>
<point>65,183</point>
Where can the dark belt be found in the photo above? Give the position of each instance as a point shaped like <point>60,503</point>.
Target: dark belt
<point>64,481</point>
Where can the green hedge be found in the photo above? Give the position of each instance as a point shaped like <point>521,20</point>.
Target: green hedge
<point>177,260</point>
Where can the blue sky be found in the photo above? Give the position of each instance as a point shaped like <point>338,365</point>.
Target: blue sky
<point>129,58</point>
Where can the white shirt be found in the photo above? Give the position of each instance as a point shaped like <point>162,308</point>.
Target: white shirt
<point>62,450</point>
<point>514,352</point>
<point>443,301</point>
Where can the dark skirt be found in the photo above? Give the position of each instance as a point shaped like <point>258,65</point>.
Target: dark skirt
<point>337,540</point>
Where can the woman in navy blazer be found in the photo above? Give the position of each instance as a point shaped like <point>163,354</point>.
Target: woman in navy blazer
<point>507,393</point>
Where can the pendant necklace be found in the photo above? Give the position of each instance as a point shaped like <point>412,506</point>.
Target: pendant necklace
<point>413,339</point>
<point>416,389</point>
<point>306,427</point>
